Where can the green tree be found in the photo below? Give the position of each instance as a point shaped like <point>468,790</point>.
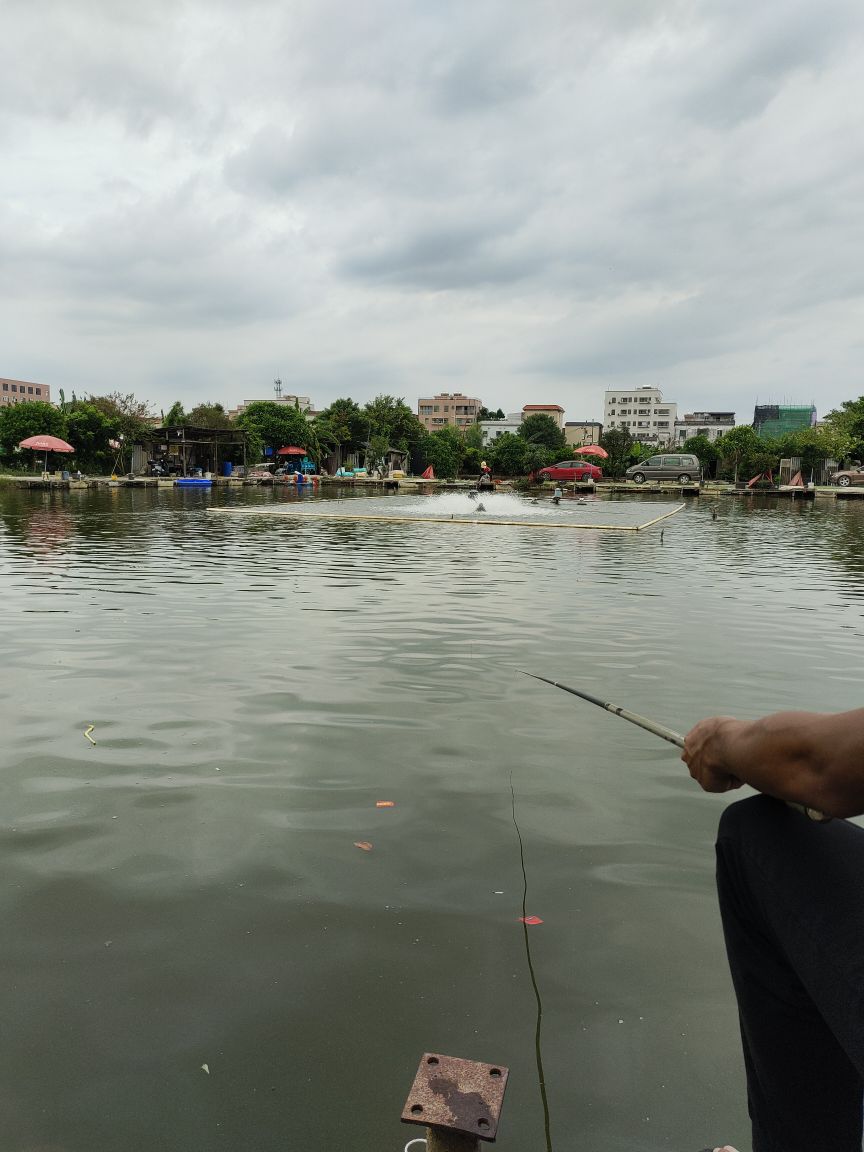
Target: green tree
<point>209,416</point>
<point>541,429</point>
<point>618,443</point>
<point>741,449</point>
<point>271,425</point>
<point>29,418</point>
<point>391,417</point>
<point>816,445</point>
<point>89,430</point>
<point>706,451</point>
<point>488,414</point>
<point>508,454</point>
<point>176,417</point>
<point>445,450</point>
<point>848,418</point>
<point>346,427</point>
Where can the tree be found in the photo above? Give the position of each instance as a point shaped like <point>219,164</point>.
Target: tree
<point>848,418</point>
<point>127,415</point>
<point>444,449</point>
<point>88,431</point>
<point>209,416</point>
<point>176,416</point>
<point>271,425</point>
<point>618,443</point>
<point>391,416</point>
<point>487,414</point>
<point>705,450</point>
<point>508,454</point>
<point>541,429</point>
<point>740,448</point>
<point>29,418</point>
<point>816,445</point>
<point>346,427</point>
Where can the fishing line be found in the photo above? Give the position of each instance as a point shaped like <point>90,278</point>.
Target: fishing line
<point>537,1048</point>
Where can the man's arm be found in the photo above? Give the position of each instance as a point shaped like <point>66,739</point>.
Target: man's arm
<point>811,758</point>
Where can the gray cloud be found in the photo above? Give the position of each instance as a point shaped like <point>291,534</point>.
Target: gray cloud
<point>525,201</point>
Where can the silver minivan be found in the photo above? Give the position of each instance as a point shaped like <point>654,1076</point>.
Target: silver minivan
<point>680,466</point>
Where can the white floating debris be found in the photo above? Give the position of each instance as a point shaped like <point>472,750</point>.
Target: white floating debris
<point>205,1068</point>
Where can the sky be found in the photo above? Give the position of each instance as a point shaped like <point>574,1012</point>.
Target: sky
<point>523,202</point>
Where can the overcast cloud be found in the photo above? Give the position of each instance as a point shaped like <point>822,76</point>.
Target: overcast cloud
<point>527,202</point>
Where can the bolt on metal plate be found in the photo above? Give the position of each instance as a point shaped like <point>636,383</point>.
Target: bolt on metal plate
<point>462,1095</point>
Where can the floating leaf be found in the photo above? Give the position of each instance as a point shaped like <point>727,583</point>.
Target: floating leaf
<point>531,920</point>
<point>385,803</point>
<point>364,844</point>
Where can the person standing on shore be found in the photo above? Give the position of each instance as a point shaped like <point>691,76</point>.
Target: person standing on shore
<point>791,893</point>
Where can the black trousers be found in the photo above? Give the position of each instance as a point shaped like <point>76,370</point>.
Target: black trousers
<point>792,902</point>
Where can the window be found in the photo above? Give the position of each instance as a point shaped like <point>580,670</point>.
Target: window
<point>644,412</point>
<point>14,387</point>
<point>38,391</point>
<point>5,386</point>
<point>29,391</point>
<point>446,407</point>
<point>662,411</point>
<point>436,408</point>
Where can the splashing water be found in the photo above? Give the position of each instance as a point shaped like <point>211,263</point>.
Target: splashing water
<point>498,505</point>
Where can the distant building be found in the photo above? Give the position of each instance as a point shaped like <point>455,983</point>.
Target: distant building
<point>771,420</point>
<point>709,424</point>
<point>301,402</point>
<point>643,412</point>
<point>553,410</point>
<point>492,429</point>
<point>448,408</point>
<point>582,432</point>
<point>14,391</point>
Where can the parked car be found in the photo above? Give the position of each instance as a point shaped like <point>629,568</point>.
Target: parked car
<point>571,470</point>
<point>680,466</point>
<point>848,477</point>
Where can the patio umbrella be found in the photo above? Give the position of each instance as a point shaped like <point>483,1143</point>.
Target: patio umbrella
<point>290,451</point>
<point>593,450</point>
<point>46,444</point>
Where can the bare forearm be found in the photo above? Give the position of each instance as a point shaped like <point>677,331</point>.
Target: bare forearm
<point>808,757</point>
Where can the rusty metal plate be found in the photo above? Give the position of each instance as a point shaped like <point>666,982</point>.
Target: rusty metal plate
<point>462,1095</point>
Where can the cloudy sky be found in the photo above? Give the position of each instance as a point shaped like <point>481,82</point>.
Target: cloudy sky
<point>522,201</point>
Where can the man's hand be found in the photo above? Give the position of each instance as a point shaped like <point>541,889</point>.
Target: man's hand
<point>705,753</point>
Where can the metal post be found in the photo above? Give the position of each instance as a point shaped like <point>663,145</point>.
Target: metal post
<point>458,1101</point>
<point>446,1140</point>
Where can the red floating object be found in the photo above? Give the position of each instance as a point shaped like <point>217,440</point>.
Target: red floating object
<point>531,920</point>
<point>385,803</point>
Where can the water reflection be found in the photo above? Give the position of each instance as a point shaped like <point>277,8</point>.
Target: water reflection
<point>188,890</point>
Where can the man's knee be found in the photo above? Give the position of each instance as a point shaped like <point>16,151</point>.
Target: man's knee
<point>744,817</point>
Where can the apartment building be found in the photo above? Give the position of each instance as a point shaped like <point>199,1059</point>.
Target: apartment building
<point>448,408</point>
<point>643,412</point>
<point>709,424</point>
<point>14,391</point>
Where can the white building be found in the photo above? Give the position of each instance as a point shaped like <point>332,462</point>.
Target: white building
<point>643,412</point>
<point>710,424</point>
<point>492,429</point>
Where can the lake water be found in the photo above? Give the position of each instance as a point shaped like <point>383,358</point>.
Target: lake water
<point>187,891</point>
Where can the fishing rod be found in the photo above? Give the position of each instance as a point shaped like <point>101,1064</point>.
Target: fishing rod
<point>656,729</point>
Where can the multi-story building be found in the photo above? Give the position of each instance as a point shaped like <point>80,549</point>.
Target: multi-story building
<point>448,408</point>
<point>301,402</point>
<point>709,424</point>
<point>643,412</point>
<point>553,410</point>
<point>14,391</point>
<point>582,432</point>
<point>771,420</point>
<point>492,429</point>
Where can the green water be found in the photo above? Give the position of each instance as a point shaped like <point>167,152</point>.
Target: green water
<point>187,891</point>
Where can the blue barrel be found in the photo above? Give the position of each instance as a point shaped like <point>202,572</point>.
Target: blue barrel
<point>227,468</point>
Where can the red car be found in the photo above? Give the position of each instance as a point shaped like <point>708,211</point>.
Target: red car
<point>571,470</point>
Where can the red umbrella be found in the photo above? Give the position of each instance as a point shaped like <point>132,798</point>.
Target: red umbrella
<point>593,450</point>
<point>290,451</point>
<point>46,444</point>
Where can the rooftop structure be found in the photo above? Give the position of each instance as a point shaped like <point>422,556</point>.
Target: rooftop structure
<point>289,400</point>
<point>14,391</point>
